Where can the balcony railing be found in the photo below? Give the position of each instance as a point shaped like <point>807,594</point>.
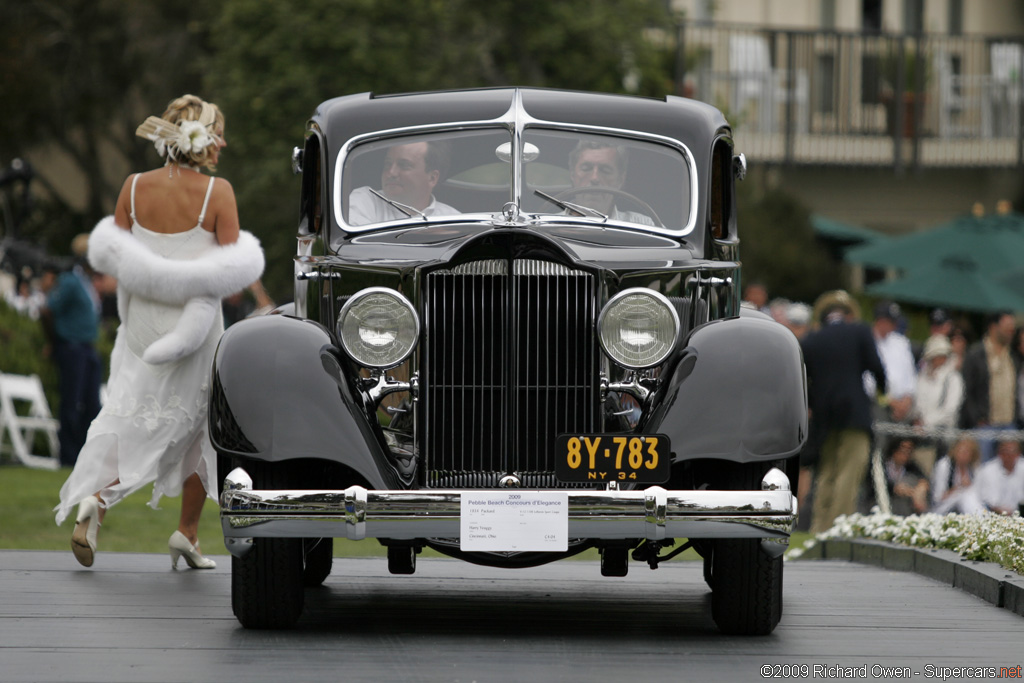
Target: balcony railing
<point>803,97</point>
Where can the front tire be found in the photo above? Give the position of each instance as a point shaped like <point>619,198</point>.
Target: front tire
<point>267,584</point>
<point>745,581</point>
<point>746,587</point>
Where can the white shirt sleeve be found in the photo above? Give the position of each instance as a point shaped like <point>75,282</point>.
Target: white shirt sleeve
<point>362,207</point>
<point>949,409</point>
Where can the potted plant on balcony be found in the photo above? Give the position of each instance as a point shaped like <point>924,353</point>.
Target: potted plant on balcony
<point>912,90</point>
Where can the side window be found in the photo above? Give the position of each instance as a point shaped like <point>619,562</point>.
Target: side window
<point>720,197</point>
<point>311,204</point>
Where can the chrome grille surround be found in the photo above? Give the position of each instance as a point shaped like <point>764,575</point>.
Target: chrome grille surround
<point>509,363</point>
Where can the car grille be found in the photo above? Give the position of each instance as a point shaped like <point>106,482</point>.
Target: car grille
<point>510,362</point>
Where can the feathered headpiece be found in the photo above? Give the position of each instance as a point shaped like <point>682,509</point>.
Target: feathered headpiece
<point>177,141</point>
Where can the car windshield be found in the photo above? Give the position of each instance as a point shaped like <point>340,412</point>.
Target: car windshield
<point>565,175</point>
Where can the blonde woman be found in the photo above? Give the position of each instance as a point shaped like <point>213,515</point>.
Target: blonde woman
<point>953,476</point>
<point>175,247</point>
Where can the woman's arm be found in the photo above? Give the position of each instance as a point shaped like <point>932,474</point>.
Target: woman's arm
<point>122,210</point>
<point>225,212</point>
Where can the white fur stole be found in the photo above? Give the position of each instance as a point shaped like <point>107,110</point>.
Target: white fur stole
<point>197,284</point>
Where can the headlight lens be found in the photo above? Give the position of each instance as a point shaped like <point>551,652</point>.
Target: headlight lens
<point>378,327</point>
<point>638,328</point>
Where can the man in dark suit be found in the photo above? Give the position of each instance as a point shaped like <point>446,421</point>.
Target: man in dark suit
<point>837,356</point>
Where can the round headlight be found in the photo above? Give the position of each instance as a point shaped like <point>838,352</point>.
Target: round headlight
<point>638,328</point>
<point>378,327</point>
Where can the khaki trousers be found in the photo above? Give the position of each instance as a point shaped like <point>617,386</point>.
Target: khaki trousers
<point>841,466</point>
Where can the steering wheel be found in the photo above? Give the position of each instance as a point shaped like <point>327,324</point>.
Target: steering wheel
<point>601,189</point>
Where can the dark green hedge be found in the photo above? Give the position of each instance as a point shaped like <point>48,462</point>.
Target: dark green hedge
<point>21,351</point>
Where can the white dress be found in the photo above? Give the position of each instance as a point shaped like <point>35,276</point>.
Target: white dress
<point>153,424</point>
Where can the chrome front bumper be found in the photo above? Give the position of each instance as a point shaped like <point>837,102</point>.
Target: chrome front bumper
<point>357,513</point>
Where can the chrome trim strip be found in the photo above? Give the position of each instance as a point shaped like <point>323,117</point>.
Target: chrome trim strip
<point>357,513</point>
<point>517,148</point>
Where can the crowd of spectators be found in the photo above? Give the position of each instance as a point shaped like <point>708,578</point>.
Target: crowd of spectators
<point>944,414</point>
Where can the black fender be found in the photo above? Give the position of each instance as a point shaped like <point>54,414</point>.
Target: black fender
<point>738,392</point>
<point>272,400</point>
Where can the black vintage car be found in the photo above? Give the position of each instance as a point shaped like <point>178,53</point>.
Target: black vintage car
<point>516,335</point>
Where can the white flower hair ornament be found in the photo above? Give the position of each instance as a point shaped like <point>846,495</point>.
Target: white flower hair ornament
<point>193,137</point>
<point>177,141</point>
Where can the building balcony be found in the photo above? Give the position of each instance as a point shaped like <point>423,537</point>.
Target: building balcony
<point>852,99</point>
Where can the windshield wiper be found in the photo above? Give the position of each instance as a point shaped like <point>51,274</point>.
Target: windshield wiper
<point>578,209</point>
<point>404,208</point>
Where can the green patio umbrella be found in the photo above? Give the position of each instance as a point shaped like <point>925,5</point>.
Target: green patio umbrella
<point>1012,279</point>
<point>846,233</point>
<point>956,282</point>
<point>994,243</point>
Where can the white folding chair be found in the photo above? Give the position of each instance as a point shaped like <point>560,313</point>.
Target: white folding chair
<point>20,430</point>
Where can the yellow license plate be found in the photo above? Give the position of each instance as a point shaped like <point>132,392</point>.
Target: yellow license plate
<point>601,458</point>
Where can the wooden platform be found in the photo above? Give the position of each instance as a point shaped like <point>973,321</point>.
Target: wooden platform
<point>130,618</point>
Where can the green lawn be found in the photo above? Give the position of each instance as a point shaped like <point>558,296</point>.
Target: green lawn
<point>27,498</point>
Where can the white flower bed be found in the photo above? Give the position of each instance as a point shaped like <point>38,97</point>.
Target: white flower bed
<point>988,537</point>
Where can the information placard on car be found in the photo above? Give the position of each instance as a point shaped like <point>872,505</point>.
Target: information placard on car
<point>500,521</point>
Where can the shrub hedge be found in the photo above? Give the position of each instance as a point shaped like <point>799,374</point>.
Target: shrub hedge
<point>21,351</point>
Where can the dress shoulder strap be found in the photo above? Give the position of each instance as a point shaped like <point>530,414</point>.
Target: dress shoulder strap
<point>209,190</point>
<point>135,179</point>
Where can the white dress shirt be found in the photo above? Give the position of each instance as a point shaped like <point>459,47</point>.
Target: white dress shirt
<point>364,207</point>
<point>898,361</point>
<point>996,487</point>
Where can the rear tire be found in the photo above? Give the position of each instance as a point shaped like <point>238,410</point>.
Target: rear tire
<point>267,590</point>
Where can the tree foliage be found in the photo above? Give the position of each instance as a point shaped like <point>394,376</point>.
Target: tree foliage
<point>778,247</point>
<point>77,77</point>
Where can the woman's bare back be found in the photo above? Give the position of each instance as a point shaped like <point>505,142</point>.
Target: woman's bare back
<point>169,200</point>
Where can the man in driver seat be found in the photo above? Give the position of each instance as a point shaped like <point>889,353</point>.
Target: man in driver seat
<point>410,173</point>
<point>596,163</point>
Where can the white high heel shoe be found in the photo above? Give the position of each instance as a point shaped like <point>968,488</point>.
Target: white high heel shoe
<point>178,546</point>
<point>87,524</point>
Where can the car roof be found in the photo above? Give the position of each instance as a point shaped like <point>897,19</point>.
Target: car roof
<point>691,122</point>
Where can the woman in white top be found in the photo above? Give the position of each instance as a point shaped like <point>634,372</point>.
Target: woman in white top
<point>940,388</point>
<point>175,247</point>
<point>937,397</point>
<point>953,476</point>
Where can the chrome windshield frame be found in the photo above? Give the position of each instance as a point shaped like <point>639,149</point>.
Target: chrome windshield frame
<point>516,121</point>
